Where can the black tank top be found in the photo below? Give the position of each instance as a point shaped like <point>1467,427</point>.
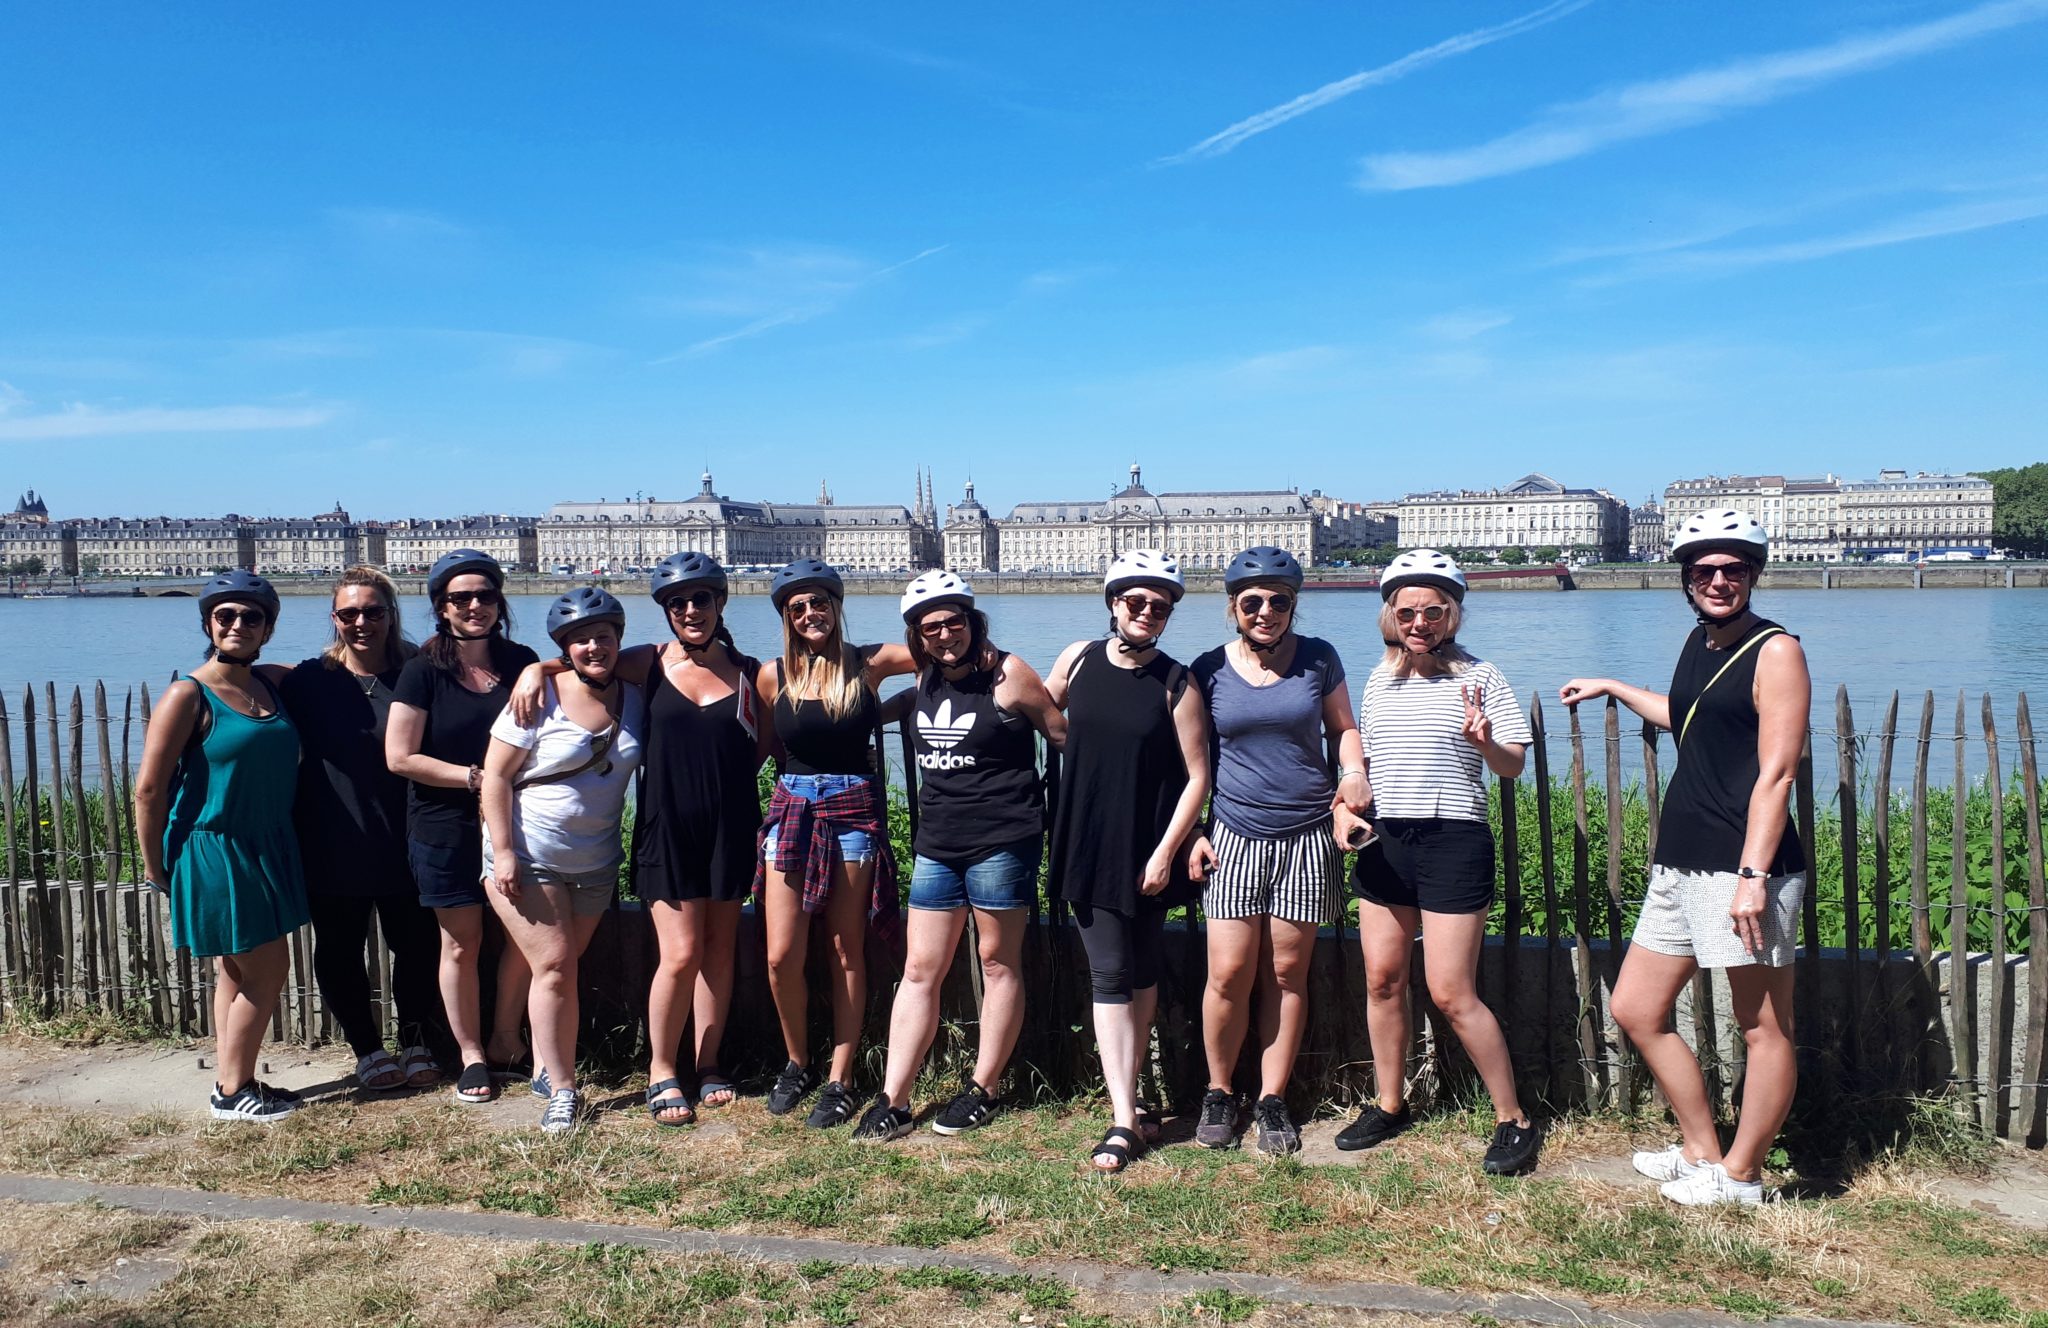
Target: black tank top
<point>1706,809</point>
<point>1120,777</point>
<point>699,802</point>
<point>977,768</point>
<point>814,743</point>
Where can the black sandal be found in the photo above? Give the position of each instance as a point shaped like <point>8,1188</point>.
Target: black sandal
<point>1120,1144</point>
<point>476,1087</point>
<point>715,1082</point>
<point>658,1103</point>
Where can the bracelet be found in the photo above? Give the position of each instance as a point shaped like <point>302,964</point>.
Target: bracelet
<point>1345,774</point>
<point>476,778</point>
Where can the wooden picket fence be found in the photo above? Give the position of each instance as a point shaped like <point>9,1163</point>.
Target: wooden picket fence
<point>79,931</point>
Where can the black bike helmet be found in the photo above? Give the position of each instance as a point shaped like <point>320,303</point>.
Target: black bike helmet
<point>680,570</point>
<point>585,604</point>
<point>1262,562</point>
<point>244,587</point>
<point>462,562</point>
<point>804,574</point>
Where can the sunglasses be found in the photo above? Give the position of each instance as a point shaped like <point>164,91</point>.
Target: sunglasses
<point>696,599</point>
<point>932,631</point>
<point>1256,604</point>
<point>1702,575</point>
<point>239,617</point>
<point>797,608</point>
<point>1144,606</point>
<point>348,617</point>
<point>462,599</point>
<point>1433,613</point>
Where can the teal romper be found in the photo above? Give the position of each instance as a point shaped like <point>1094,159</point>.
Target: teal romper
<point>233,856</point>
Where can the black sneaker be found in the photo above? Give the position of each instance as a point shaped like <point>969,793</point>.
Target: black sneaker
<point>253,1102</point>
<point>970,1109</point>
<point>1513,1150</point>
<point>1218,1127</point>
<point>881,1124</point>
<point>1277,1134</point>
<point>1374,1126</point>
<point>835,1106</point>
<point>790,1087</point>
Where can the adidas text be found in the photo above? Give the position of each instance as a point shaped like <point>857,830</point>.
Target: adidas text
<point>945,761</point>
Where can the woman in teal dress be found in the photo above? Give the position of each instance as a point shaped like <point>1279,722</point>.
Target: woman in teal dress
<point>213,811</point>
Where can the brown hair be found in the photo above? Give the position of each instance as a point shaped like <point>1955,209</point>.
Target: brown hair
<point>1456,659</point>
<point>397,649</point>
<point>979,648</point>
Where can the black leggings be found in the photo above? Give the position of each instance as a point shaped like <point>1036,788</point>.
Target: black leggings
<point>1123,951</point>
<point>341,938</point>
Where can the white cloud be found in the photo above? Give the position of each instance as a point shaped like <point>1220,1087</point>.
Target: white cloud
<point>1641,110</point>
<point>1464,324</point>
<point>1933,224</point>
<point>820,280</point>
<point>1273,117</point>
<point>81,421</point>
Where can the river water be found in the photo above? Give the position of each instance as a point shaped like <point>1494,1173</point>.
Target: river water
<point>1872,641</point>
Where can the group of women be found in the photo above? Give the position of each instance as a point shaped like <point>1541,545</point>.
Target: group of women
<point>380,780</point>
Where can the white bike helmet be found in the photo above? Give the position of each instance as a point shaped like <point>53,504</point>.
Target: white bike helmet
<point>1144,567</point>
<point>1726,531</point>
<point>931,589</point>
<point>1423,567</point>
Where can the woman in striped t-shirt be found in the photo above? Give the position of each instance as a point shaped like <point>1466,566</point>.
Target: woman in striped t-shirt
<point>1435,720</point>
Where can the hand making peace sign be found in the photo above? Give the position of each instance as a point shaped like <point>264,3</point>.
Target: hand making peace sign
<point>1478,729</point>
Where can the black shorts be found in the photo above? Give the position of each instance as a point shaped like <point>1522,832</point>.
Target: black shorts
<point>1437,864</point>
<point>448,875</point>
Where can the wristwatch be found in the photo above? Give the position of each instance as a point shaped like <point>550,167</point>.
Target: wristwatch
<point>1751,874</point>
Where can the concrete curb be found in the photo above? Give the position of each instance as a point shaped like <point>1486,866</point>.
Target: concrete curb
<point>1381,1296</point>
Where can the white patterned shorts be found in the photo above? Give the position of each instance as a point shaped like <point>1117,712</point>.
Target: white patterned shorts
<point>1685,913</point>
<point>1296,878</point>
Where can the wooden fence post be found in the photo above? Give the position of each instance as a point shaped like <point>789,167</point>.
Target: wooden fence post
<point>48,935</point>
<point>1962,1007</point>
<point>1546,848</point>
<point>1616,818</point>
<point>1511,892</point>
<point>91,928</point>
<point>1592,1064</point>
<point>1807,984</point>
<point>67,956</point>
<point>1852,912</point>
<point>14,896</point>
<point>110,875</point>
<point>2033,1121</point>
<point>1923,925</point>
<point>1997,1098</point>
<point>1881,874</point>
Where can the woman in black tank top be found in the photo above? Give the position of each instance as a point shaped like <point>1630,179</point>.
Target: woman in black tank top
<point>1729,871</point>
<point>695,816</point>
<point>975,716</point>
<point>824,846</point>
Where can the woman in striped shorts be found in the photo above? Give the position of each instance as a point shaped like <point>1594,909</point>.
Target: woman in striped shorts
<point>1436,720</point>
<point>1270,857</point>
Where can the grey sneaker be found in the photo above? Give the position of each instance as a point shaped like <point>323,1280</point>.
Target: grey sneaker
<point>1218,1127</point>
<point>255,1102</point>
<point>790,1087</point>
<point>881,1124</point>
<point>563,1113</point>
<point>1277,1134</point>
<point>970,1109</point>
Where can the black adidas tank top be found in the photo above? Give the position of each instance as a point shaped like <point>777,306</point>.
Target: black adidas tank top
<point>977,768</point>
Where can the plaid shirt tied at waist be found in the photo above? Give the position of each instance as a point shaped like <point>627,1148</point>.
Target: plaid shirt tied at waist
<point>807,839</point>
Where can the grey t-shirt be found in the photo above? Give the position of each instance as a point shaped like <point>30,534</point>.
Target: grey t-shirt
<point>1273,774</point>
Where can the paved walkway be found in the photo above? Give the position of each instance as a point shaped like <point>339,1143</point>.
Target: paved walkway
<point>1100,1278</point>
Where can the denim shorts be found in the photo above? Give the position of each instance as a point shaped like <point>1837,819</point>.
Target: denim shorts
<point>855,846</point>
<point>1006,877</point>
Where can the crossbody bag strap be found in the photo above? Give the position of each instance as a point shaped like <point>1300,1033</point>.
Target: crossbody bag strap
<point>597,753</point>
<point>1745,648</point>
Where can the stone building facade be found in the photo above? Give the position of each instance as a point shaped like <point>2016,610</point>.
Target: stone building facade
<point>1828,519</point>
<point>412,545</point>
<point>1532,513</point>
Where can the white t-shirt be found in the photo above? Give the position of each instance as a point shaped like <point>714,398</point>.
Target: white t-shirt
<point>571,826</point>
<point>1417,759</point>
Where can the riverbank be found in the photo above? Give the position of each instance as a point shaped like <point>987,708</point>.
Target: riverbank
<point>1619,576</point>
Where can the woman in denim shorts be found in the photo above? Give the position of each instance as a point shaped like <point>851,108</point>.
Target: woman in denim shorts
<point>975,715</point>
<point>1729,872</point>
<point>825,842</point>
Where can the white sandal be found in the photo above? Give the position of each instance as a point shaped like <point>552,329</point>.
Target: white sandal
<point>374,1066</point>
<point>421,1069</point>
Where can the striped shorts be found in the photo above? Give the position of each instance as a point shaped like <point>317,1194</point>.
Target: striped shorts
<point>1296,878</point>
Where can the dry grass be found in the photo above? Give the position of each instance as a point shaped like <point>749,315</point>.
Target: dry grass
<point>1417,1211</point>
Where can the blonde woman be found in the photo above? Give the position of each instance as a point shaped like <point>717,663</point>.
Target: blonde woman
<point>1436,720</point>
<point>350,815</point>
<point>825,842</point>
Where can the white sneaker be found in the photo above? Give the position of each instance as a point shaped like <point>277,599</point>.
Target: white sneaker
<point>563,1112</point>
<point>1710,1183</point>
<point>1665,1164</point>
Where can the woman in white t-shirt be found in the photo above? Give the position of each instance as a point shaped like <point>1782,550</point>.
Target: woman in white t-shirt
<point>1435,721</point>
<point>554,791</point>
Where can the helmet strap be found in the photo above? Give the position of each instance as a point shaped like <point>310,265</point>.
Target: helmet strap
<point>1128,646</point>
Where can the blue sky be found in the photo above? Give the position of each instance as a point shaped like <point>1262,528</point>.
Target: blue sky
<point>442,259</point>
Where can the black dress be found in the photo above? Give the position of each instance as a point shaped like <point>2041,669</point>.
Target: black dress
<point>699,801</point>
<point>1121,776</point>
<point>350,808</point>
